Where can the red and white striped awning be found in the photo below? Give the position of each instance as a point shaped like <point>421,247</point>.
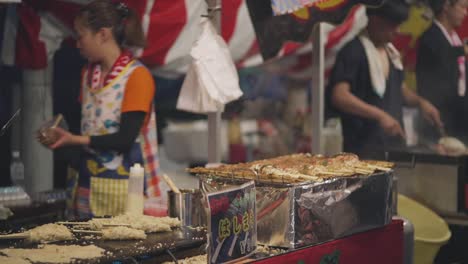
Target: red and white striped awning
<point>34,30</point>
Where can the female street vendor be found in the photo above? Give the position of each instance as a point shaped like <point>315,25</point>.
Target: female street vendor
<point>118,121</point>
<point>441,68</point>
<point>366,85</point>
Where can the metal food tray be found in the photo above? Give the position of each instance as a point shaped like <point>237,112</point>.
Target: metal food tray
<point>308,213</point>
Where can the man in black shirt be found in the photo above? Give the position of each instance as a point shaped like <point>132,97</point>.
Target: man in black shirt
<point>366,85</point>
<point>441,68</point>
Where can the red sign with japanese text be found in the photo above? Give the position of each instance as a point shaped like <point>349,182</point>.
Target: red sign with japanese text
<point>232,224</point>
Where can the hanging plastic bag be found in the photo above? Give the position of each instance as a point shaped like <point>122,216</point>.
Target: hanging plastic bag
<point>212,80</point>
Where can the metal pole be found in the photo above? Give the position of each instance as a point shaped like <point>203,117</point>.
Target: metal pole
<point>318,72</point>
<point>214,118</point>
<point>37,108</point>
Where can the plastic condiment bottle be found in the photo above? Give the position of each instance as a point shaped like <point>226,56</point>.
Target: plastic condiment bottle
<point>17,169</point>
<point>135,199</point>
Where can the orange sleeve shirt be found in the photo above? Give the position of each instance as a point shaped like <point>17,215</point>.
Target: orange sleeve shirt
<point>139,91</point>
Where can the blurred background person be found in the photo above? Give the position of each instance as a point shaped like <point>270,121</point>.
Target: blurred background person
<point>441,69</point>
<point>366,86</point>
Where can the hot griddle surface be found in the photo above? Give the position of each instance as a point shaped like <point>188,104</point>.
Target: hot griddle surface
<point>424,154</point>
<point>155,244</point>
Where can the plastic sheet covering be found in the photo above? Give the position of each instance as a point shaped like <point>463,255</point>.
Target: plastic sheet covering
<point>296,215</point>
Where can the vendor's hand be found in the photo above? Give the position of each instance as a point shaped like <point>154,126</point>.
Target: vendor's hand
<point>390,125</point>
<point>431,113</point>
<point>55,138</point>
<point>64,138</point>
<point>45,137</point>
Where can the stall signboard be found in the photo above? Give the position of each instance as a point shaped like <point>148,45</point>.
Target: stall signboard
<point>232,224</point>
<point>280,7</point>
<point>279,23</point>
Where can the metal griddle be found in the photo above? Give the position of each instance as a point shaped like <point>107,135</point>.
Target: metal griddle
<point>154,247</point>
<point>420,153</point>
<point>437,181</point>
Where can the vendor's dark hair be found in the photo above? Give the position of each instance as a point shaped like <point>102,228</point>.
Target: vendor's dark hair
<point>393,10</point>
<point>438,5</point>
<point>123,21</point>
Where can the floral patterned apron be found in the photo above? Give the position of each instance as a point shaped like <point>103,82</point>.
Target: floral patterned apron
<point>103,175</point>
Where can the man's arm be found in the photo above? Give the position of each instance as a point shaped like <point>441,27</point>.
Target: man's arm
<point>428,110</point>
<point>347,102</point>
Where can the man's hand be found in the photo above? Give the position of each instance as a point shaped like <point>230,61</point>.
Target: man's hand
<point>430,113</point>
<point>390,125</point>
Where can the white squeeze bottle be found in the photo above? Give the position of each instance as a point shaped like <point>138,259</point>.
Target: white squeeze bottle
<point>135,199</point>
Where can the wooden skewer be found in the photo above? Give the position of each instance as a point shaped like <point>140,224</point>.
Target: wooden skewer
<point>365,172</point>
<point>87,232</point>
<point>57,121</point>
<point>15,236</point>
<point>86,223</point>
<point>72,223</point>
<point>384,164</point>
<point>379,167</point>
<point>171,184</point>
<point>324,172</point>
<point>111,225</point>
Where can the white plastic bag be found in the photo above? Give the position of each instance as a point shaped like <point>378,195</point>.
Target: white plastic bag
<point>212,80</point>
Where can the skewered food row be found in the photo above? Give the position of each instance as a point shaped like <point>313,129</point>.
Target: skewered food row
<point>49,232</point>
<point>298,168</point>
<point>51,254</point>
<point>147,223</point>
<point>122,227</point>
<point>122,233</point>
<point>44,233</point>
